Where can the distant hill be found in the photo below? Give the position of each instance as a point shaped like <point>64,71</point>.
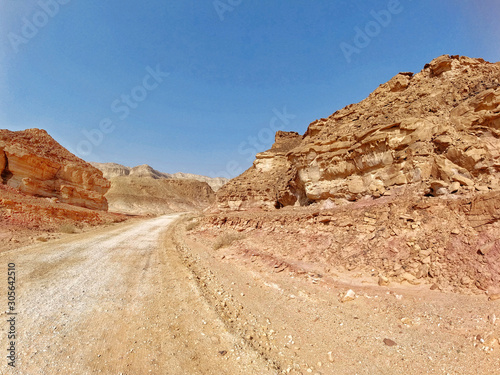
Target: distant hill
<point>156,196</point>
<point>111,170</point>
<point>144,190</point>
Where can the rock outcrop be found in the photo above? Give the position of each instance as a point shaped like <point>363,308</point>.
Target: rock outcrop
<point>111,170</point>
<point>34,163</point>
<point>437,131</point>
<point>270,181</point>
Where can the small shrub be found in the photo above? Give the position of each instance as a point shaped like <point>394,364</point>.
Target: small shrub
<point>227,239</point>
<point>67,228</point>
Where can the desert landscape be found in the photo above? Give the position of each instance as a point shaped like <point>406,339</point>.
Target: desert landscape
<point>368,245</point>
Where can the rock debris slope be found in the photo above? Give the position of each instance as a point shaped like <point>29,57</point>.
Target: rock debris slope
<point>437,131</point>
<point>34,163</point>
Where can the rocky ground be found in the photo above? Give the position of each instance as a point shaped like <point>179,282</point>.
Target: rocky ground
<point>158,297</point>
<point>305,315</point>
<point>118,300</point>
<point>448,243</point>
<point>25,219</point>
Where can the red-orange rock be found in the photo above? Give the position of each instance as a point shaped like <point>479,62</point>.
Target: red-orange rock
<point>34,163</point>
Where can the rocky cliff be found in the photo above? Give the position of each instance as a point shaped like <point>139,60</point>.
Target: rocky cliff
<point>34,163</point>
<point>270,182</point>
<point>437,131</point>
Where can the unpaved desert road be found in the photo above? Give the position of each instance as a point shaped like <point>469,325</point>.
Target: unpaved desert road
<point>115,301</point>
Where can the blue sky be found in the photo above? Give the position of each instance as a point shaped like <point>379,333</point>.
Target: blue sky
<point>201,86</point>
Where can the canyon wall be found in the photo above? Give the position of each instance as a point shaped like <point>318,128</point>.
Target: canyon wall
<point>437,131</point>
<point>34,163</point>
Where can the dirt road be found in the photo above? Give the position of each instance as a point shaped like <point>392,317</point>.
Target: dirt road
<point>117,301</point>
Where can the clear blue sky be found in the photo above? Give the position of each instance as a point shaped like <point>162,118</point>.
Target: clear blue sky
<point>223,69</point>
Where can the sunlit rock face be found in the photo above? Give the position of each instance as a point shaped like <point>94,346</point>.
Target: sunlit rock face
<point>34,163</point>
<point>437,131</point>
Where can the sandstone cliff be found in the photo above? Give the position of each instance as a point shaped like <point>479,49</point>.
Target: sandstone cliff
<point>270,182</point>
<point>436,132</point>
<point>34,163</point>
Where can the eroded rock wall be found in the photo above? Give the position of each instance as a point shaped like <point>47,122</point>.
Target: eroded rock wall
<point>438,131</point>
<point>34,163</point>
<point>269,183</point>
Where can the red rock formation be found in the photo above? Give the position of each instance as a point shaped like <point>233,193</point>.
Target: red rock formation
<point>34,163</point>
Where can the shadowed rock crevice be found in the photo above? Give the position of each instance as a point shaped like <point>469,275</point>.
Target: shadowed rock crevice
<point>5,173</point>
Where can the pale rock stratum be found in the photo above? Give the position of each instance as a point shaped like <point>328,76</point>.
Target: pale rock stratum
<point>34,163</point>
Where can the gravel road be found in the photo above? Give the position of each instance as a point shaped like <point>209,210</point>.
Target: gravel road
<point>117,300</point>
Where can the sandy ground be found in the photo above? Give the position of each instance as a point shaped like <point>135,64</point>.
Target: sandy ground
<point>117,301</point>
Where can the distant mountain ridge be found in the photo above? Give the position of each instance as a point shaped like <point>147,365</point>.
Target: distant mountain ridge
<point>111,170</point>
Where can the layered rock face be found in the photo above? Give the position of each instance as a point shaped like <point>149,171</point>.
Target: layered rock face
<point>438,131</point>
<point>270,182</point>
<point>34,163</point>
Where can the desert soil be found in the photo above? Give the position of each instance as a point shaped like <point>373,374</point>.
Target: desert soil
<point>303,321</point>
<point>150,298</point>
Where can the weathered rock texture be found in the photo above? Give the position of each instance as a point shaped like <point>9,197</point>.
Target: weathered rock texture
<point>452,244</point>
<point>437,131</point>
<point>270,182</point>
<point>111,170</point>
<point>34,163</point>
